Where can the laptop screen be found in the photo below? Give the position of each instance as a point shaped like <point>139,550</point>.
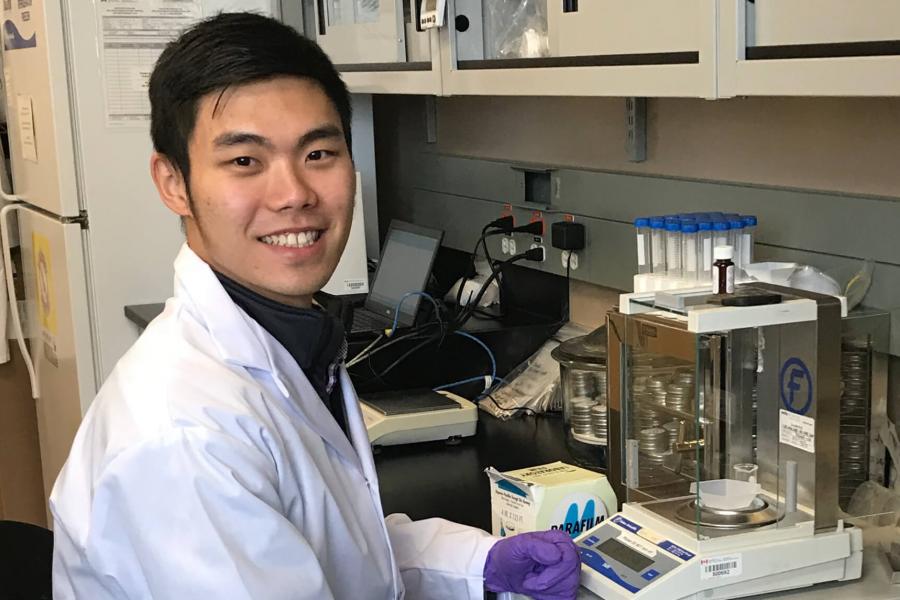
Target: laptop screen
<point>406,261</point>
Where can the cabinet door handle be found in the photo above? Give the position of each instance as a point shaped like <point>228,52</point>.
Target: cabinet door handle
<point>570,6</point>
<point>417,14</point>
<point>320,10</point>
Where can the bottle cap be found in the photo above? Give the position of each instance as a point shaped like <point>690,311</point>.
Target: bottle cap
<point>642,222</point>
<point>736,223</point>
<point>720,226</point>
<point>704,225</point>
<point>749,220</point>
<point>676,226</point>
<point>657,222</point>
<point>688,228</point>
<point>723,253</point>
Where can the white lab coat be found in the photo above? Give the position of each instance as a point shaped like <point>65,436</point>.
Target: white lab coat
<point>208,467</point>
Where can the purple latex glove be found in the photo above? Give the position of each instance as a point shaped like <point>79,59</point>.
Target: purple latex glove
<point>543,565</point>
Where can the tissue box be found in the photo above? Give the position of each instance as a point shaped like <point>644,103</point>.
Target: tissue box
<point>553,496</point>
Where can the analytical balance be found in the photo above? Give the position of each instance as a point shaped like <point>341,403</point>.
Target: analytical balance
<point>724,444</point>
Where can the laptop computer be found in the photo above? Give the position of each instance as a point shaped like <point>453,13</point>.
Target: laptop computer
<point>406,260</point>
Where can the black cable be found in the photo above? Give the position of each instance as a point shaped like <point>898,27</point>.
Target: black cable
<point>531,254</point>
<point>503,225</point>
<point>513,408</point>
<point>404,356</point>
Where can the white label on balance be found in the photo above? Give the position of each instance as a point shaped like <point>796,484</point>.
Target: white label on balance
<point>797,431</point>
<point>720,566</point>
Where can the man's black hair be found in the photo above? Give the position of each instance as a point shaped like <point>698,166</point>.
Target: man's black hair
<point>227,50</point>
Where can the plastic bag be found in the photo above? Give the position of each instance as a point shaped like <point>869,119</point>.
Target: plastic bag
<point>534,384</point>
<point>854,281</point>
<point>517,29</point>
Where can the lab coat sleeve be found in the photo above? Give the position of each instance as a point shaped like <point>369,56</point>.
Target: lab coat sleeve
<point>195,514</point>
<point>439,559</point>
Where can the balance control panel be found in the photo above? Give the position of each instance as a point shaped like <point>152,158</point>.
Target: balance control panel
<point>627,555</point>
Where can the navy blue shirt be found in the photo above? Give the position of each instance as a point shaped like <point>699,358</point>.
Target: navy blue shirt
<point>311,336</point>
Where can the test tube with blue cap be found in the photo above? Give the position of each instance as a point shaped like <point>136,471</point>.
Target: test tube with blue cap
<point>704,250</point>
<point>747,238</point>
<point>735,233</point>
<point>673,248</point>
<point>658,245</point>
<point>720,233</point>
<point>644,251</point>
<point>689,253</point>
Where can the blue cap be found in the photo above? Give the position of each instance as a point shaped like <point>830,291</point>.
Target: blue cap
<point>671,219</point>
<point>657,222</point>
<point>642,222</point>
<point>749,220</point>
<point>683,220</point>
<point>676,226</point>
<point>685,215</point>
<point>688,228</point>
<point>704,225</point>
<point>737,223</point>
<point>720,226</point>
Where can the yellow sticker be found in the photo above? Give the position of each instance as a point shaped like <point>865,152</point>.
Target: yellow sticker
<point>43,270</point>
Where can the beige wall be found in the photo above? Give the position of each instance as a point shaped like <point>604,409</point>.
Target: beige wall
<point>588,303</point>
<point>835,144</point>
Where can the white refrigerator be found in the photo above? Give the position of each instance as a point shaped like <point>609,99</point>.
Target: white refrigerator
<point>93,234</point>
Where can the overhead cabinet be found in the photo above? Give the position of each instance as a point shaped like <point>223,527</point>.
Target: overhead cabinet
<point>809,48</point>
<point>586,48</point>
<point>653,48</point>
<point>378,45</point>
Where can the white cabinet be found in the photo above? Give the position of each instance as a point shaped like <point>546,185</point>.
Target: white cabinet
<point>377,45</point>
<point>809,48</point>
<point>654,48</point>
<point>361,31</point>
<point>587,48</point>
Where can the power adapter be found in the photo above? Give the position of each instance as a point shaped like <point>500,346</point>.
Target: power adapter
<point>567,235</point>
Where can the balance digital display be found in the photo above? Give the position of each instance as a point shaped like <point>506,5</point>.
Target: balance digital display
<point>632,559</point>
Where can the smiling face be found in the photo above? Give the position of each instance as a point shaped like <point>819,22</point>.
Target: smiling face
<point>271,189</point>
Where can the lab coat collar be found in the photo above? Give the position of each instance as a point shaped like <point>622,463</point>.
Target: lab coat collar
<point>243,342</point>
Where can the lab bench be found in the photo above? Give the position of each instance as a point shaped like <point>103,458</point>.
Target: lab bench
<point>437,479</point>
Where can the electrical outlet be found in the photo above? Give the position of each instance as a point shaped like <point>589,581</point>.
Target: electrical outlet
<point>536,245</point>
<point>512,245</point>
<point>569,260</point>
<point>504,245</point>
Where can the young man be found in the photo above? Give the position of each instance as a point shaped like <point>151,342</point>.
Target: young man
<point>226,457</point>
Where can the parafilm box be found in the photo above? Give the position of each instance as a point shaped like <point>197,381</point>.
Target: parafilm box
<point>554,496</point>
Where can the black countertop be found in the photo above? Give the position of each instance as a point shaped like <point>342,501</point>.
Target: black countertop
<point>142,314</point>
<point>436,479</point>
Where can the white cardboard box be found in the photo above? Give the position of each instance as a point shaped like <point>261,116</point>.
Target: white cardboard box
<point>553,496</point>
